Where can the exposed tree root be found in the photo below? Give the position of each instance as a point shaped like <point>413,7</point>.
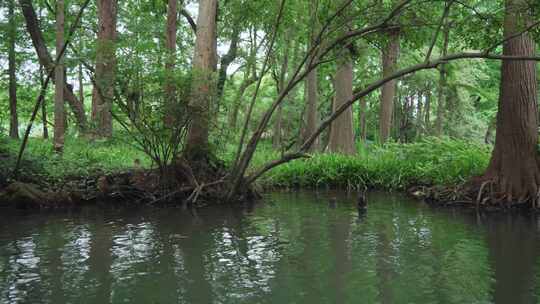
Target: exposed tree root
<point>195,183</point>
<point>479,193</point>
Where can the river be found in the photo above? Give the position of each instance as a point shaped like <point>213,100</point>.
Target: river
<point>302,247</point>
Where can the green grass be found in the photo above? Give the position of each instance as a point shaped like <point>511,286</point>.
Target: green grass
<point>396,166</point>
<point>81,157</point>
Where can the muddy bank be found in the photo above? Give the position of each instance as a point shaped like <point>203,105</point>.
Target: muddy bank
<point>196,184</point>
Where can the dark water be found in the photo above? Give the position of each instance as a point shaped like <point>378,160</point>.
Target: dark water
<point>296,249</point>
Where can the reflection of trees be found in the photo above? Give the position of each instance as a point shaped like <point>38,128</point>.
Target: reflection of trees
<point>405,254</point>
<point>514,251</point>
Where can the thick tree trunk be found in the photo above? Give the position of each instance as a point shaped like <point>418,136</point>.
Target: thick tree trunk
<point>389,60</point>
<point>103,94</point>
<point>32,25</point>
<point>442,90</point>
<point>14,119</point>
<point>59,76</point>
<point>514,161</point>
<point>204,85</point>
<point>342,133</point>
<point>170,45</point>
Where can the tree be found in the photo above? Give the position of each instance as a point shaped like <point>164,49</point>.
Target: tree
<point>105,72</point>
<point>32,26</point>
<point>12,27</point>
<point>442,89</point>
<point>204,86</point>
<point>312,85</point>
<point>389,60</point>
<point>342,131</point>
<point>514,161</point>
<point>170,45</point>
<point>59,76</point>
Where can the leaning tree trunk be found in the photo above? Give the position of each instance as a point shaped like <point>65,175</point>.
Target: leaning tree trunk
<point>14,119</point>
<point>103,93</point>
<point>59,76</point>
<point>514,161</point>
<point>32,25</point>
<point>204,86</point>
<point>342,133</point>
<point>389,60</point>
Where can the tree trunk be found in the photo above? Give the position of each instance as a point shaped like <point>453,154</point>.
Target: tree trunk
<point>342,133</point>
<point>280,83</point>
<point>362,118</point>
<point>514,161</point>
<point>442,91</point>
<point>389,60</point>
<point>59,111</point>
<point>43,105</point>
<point>427,110</point>
<point>204,85</point>
<point>278,126</point>
<point>233,115</point>
<point>14,119</point>
<point>312,86</point>
<point>226,61</point>
<point>103,94</point>
<point>419,115</point>
<point>32,25</point>
<point>170,45</point>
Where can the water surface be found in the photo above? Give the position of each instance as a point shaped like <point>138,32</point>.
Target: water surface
<point>296,248</point>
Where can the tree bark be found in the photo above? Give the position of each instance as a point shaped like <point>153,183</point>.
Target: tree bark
<point>427,112</point>
<point>204,85</point>
<point>59,111</point>
<point>32,26</point>
<point>12,27</point>
<point>233,115</point>
<point>342,132</point>
<point>442,91</point>
<point>227,59</point>
<point>312,85</point>
<point>103,93</point>
<point>43,105</point>
<point>419,115</point>
<point>389,60</point>
<point>514,161</point>
<point>363,119</point>
<point>170,45</point>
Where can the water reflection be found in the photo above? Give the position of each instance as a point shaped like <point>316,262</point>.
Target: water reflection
<point>303,248</point>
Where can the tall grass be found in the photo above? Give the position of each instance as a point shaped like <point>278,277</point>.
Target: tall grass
<point>395,166</point>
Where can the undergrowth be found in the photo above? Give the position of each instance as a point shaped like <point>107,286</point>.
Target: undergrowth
<point>431,161</point>
<point>81,157</point>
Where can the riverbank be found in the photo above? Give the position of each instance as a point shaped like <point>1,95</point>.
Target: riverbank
<point>429,169</point>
